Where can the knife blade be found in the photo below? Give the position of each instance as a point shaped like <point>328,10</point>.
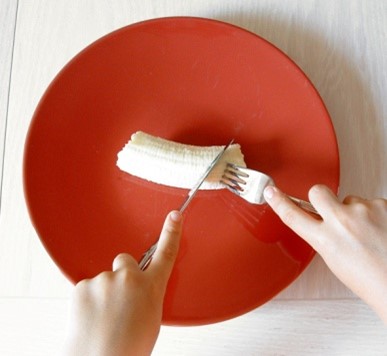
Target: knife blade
<point>198,184</point>
<point>148,255</point>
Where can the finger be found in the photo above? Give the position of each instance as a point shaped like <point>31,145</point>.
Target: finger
<point>168,246</point>
<point>297,219</point>
<point>324,200</point>
<point>123,260</point>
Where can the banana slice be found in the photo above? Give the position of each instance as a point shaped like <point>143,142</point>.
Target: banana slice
<point>175,164</point>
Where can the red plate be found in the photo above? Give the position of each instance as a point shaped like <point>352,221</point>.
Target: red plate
<point>194,81</point>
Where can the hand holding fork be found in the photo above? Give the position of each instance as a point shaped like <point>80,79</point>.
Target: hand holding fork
<point>250,185</point>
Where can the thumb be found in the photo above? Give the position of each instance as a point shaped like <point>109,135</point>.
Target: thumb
<point>168,246</point>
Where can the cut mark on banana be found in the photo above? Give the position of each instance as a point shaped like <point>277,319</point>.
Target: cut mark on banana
<point>175,164</point>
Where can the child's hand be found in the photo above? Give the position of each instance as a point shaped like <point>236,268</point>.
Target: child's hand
<point>119,312</point>
<point>351,238</point>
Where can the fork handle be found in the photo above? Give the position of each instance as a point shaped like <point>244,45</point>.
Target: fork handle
<point>304,205</point>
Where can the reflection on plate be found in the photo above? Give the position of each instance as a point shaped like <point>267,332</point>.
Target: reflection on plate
<point>195,81</point>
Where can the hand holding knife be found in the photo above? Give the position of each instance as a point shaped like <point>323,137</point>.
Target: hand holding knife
<point>147,257</point>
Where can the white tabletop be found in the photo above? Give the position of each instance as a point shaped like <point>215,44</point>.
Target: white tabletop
<point>341,46</point>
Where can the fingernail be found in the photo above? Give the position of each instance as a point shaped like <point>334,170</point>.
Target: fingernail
<point>317,188</point>
<point>268,192</point>
<point>175,216</point>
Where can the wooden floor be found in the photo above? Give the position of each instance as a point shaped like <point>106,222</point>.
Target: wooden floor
<point>341,45</point>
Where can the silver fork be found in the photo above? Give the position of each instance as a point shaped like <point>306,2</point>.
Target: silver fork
<point>250,184</point>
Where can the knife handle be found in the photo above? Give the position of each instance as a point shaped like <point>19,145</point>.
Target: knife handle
<point>147,257</point>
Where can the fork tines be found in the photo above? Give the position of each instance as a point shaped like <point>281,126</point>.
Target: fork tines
<point>233,178</point>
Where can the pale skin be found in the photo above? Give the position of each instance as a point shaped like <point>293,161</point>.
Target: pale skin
<point>351,237</point>
<point>119,312</point>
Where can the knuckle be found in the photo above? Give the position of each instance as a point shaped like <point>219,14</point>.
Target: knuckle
<point>121,257</point>
<point>316,188</point>
<point>124,261</point>
<point>318,191</point>
<point>82,291</point>
<point>361,209</point>
<point>104,278</point>
<point>83,284</point>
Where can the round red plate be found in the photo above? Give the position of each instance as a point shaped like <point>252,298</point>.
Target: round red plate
<point>195,81</point>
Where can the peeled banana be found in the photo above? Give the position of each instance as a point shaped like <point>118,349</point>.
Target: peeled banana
<point>175,164</point>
